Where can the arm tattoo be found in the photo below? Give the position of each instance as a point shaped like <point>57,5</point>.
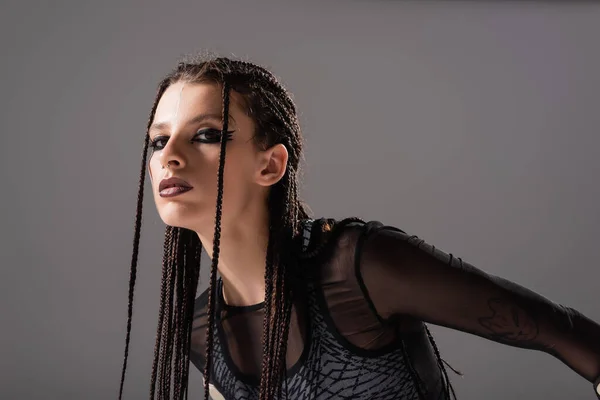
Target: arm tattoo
<point>508,322</point>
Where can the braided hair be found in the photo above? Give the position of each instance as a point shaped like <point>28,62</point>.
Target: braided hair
<point>274,113</point>
<point>271,107</point>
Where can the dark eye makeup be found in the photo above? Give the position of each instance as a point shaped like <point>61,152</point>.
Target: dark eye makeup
<point>207,135</point>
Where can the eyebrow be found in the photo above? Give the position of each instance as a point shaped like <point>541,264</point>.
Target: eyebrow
<point>217,117</point>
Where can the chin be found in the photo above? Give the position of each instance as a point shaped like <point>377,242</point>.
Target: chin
<point>178,214</point>
<point>186,215</point>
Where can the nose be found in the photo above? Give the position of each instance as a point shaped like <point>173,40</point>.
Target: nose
<point>171,164</point>
<point>171,157</point>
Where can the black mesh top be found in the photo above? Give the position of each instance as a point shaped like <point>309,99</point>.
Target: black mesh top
<point>359,332</point>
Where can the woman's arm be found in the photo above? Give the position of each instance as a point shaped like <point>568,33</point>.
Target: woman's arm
<point>400,274</point>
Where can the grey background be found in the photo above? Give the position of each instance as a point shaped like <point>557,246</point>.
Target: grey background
<point>471,124</point>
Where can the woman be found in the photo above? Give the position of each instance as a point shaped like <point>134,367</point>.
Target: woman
<point>303,308</point>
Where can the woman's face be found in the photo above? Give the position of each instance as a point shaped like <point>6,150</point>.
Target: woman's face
<point>186,133</point>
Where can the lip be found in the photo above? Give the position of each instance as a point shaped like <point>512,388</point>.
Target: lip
<point>173,182</point>
<point>174,191</point>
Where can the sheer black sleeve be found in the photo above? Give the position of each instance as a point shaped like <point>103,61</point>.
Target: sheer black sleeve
<point>403,275</point>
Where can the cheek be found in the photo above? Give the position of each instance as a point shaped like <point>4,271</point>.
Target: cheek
<point>152,169</point>
<point>239,176</point>
<point>239,167</point>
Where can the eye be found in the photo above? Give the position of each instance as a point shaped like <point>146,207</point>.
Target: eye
<point>158,143</point>
<point>207,135</point>
<point>210,135</point>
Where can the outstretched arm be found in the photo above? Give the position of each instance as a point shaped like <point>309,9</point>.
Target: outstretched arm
<point>401,274</point>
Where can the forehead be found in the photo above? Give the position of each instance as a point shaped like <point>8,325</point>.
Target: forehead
<point>184,98</point>
<point>184,104</point>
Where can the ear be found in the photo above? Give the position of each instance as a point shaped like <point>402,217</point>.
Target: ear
<point>272,165</point>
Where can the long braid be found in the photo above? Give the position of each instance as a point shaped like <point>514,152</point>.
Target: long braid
<point>285,212</point>
<point>191,284</point>
<point>285,311</point>
<point>448,388</point>
<point>275,115</point>
<point>136,241</point>
<point>267,316</point>
<point>277,297</point>
<point>181,272</point>
<point>182,315</point>
<point>185,277</point>
<point>216,240</point>
<point>167,332</point>
<point>285,302</point>
<point>179,323</point>
<point>274,294</point>
<point>161,310</point>
<point>275,354</point>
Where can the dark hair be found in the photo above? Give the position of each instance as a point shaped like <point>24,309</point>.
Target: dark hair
<point>274,114</point>
<point>270,106</point>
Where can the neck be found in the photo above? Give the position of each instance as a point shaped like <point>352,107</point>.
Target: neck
<point>242,255</point>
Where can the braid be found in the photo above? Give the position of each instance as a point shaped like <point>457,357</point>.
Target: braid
<point>267,317</point>
<point>187,282</point>
<point>161,313</point>
<point>216,240</point>
<point>167,331</point>
<point>186,270</point>
<point>161,310</point>
<point>179,315</point>
<point>191,284</point>
<point>181,266</point>
<point>136,245</point>
<point>445,379</point>
<point>276,119</point>
<point>266,335</point>
<point>275,115</point>
<point>186,312</point>
<point>285,311</point>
